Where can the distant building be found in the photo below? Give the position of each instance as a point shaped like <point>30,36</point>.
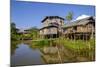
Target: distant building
<point>51,26</point>
<point>22,31</point>
<point>24,34</point>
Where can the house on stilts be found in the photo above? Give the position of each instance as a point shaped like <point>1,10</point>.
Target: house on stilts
<point>51,26</point>
<point>54,26</point>
<point>80,29</point>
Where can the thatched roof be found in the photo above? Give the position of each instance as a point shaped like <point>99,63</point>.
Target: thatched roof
<point>51,17</point>
<point>23,31</point>
<point>49,27</point>
<point>79,22</point>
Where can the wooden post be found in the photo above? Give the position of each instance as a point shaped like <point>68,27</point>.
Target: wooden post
<point>74,37</point>
<point>59,54</point>
<point>83,36</point>
<point>71,36</point>
<point>92,35</point>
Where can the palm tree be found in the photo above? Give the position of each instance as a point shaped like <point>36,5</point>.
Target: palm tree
<point>69,16</point>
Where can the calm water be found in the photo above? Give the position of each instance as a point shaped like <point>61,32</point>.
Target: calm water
<point>26,54</point>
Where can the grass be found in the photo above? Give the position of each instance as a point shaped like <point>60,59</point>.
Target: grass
<point>71,44</point>
<point>76,44</point>
<point>40,43</point>
<point>81,48</point>
<point>77,47</point>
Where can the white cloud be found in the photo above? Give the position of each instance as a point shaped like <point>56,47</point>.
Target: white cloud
<point>82,16</point>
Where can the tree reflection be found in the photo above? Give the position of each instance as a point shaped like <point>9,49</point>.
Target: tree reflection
<point>14,46</point>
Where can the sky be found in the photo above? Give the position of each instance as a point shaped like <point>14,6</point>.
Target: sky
<point>30,14</point>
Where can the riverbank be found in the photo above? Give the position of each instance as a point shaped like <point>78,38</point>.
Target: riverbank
<point>82,48</point>
<point>58,50</point>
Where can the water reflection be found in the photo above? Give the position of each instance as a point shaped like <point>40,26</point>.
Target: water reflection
<point>14,47</point>
<point>26,53</point>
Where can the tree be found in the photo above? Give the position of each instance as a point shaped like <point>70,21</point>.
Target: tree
<point>14,35</point>
<point>13,28</point>
<point>69,16</point>
<point>34,32</point>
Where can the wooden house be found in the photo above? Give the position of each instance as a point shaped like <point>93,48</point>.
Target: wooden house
<point>51,26</point>
<point>83,28</point>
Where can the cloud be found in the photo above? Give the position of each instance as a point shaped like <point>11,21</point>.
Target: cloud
<point>82,16</point>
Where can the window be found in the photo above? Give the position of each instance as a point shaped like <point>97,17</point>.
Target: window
<point>75,27</point>
<point>61,22</point>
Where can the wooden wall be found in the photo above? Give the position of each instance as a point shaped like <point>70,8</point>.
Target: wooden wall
<point>48,21</point>
<point>81,28</point>
<point>86,28</point>
<point>51,30</point>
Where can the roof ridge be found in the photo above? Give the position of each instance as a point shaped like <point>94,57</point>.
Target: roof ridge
<point>51,17</point>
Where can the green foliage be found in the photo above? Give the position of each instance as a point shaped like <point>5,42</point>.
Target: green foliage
<point>14,46</point>
<point>69,16</point>
<point>77,44</point>
<point>14,30</point>
<point>42,43</point>
<point>80,47</point>
<point>33,33</point>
